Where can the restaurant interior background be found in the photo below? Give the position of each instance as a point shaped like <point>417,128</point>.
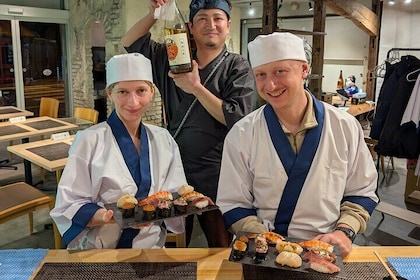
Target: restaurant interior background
<point>58,48</point>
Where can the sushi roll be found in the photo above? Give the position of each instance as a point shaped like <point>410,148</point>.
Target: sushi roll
<point>127,203</point>
<point>164,208</point>
<point>149,212</point>
<point>239,248</point>
<point>180,205</point>
<point>261,248</point>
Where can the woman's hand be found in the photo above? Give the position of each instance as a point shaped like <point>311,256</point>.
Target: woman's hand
<point>101,217</point>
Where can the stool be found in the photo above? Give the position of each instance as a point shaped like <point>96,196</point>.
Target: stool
<point>178,239</point>
<point>20,199</point>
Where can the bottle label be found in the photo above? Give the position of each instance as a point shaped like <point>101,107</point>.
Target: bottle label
<point>178,49</point>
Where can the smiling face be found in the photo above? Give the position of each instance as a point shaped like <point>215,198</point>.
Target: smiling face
<point>210,28</point>
<point>280,83</point>
<point>131,99</point>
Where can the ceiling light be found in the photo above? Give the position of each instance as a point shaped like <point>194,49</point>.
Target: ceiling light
<point>391,2</point>
<point>407,1</point>
<point>310,6</point>
<point>251,10</point>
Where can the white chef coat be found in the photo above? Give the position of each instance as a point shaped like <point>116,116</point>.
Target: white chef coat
<point>412,114</point>
<point>96,173</point>
<point>253,178</point>
<point>412,110</point>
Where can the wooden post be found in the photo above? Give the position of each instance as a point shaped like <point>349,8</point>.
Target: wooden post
<point>269,19</point>
<point>370,78</point>
<point>315,84</point>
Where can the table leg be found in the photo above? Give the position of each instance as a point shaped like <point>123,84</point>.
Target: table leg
<point>27,166</point>
<point>58,175</point>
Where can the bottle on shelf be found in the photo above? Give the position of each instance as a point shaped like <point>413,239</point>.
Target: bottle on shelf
<point>177,40</point>
<point>340,81</point>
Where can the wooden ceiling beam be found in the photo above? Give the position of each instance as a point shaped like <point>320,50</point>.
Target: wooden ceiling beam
<point>359,14</point>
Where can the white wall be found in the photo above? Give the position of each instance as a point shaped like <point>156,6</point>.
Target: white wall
<point>399,29</point>
<point>346,48</point>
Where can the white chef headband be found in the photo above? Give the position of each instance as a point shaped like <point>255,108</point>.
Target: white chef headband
<point>128,67</point>
<point>276,46</point>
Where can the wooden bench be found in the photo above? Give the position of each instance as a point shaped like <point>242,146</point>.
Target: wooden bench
<point>398,212</point>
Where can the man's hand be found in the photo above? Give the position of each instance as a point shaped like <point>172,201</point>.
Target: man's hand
<point>337,237</point>
<point>188,82</point>
<point>157,3</point>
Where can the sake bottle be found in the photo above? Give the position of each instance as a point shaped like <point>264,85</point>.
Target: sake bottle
<point>340,81</point>
<point>177,40</point>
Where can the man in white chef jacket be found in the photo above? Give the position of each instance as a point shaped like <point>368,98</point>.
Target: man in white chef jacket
<point>296,166</point>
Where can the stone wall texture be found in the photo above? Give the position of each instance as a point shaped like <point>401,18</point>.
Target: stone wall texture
<point>83,14</point>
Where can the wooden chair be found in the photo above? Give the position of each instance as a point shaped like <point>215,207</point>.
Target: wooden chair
<point>20,199</point>
<point>86,114</point>
<point>178,239</point>
<point>49,107</point>
<point>371,143</point>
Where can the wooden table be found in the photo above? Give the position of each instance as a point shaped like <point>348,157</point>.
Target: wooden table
<point>356,110</point>
<point>361,109</point>
<point>7,112</point>
<point>211,263</point>
<point>27,151</point>
<point>30,128</point>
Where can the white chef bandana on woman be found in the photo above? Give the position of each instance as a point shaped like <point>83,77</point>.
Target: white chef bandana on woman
<point>128,67</point>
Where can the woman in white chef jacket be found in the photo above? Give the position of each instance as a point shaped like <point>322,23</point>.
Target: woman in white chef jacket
<point>117,157</point>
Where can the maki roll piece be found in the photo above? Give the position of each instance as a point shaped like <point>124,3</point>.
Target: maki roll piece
<point>244,238</point>
<point>239,248</point>
<point>164,208</point>
<point>127,203</point>
<point>261,248</point>
<point>180,205</point>
<point>149,212</point>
